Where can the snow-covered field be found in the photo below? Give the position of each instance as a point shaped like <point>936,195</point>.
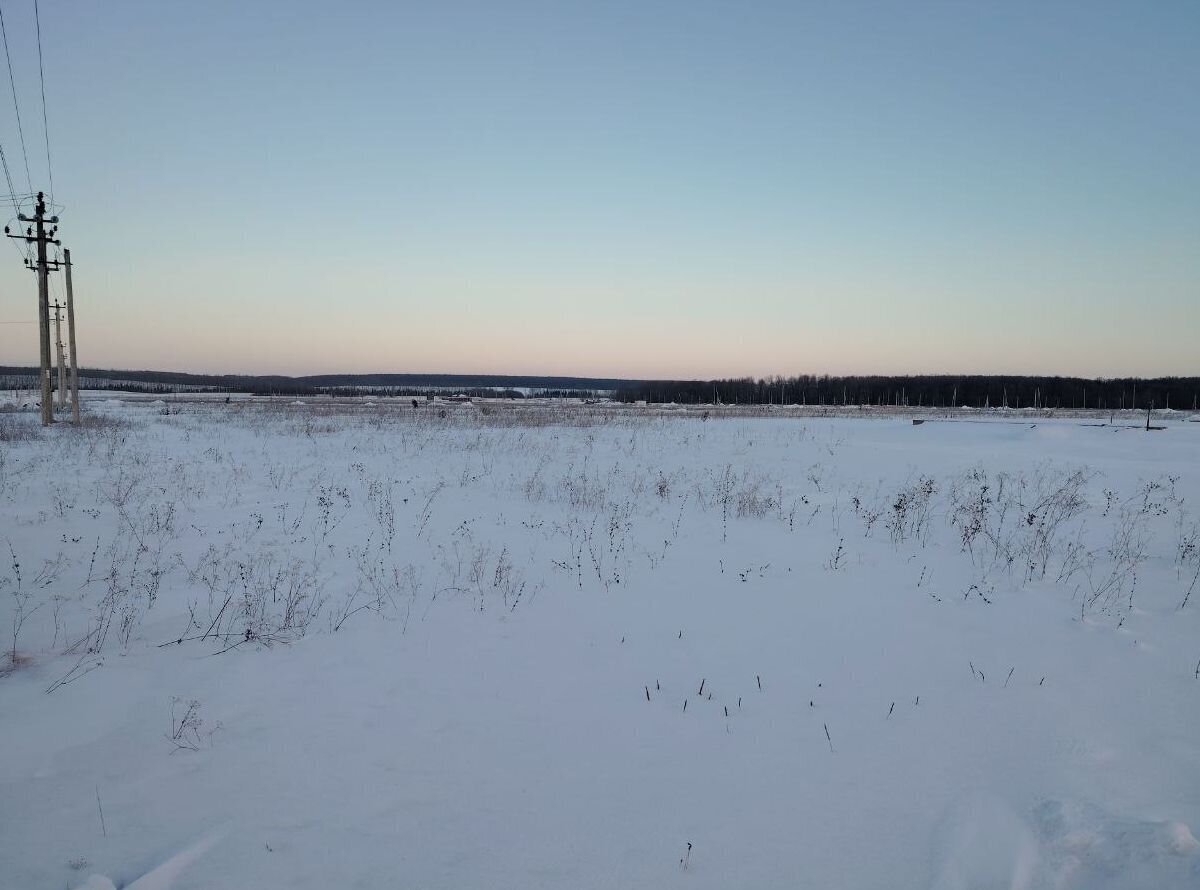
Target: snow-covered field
<point>358,645</point>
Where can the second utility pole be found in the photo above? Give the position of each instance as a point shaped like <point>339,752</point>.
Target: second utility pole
<point>71,340</point>
<point>62,361</point>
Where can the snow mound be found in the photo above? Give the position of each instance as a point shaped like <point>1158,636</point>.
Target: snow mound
<point>1082,846</point>
<point>163,876</point>
<point>1180,838</point>
<point>984,842</point>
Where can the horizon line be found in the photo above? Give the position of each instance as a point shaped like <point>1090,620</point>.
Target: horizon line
<point>420,374</point>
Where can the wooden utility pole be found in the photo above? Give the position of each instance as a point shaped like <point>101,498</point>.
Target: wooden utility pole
<point>71,340</point>
<point>62,362</point>
<point>42,267</point>
<point>43,274</point>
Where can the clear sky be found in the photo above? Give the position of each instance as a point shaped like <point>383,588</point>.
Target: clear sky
<point>618,188</point>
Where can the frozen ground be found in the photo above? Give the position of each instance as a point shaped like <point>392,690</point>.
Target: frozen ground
<point>540,647</point>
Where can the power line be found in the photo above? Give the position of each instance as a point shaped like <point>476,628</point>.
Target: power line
<point>16,106</point>
<point>42,75</point>
<point>16,207</point>
<point>8,176</point>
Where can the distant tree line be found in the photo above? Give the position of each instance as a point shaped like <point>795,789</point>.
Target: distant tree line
<point>383,385</point>
<point>936,391</point>
<point>258,387</point>
<point>933,391</point>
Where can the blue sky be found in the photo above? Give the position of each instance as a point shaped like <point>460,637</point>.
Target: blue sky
<point>627,189</point>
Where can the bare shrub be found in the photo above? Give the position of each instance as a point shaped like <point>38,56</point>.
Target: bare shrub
<point>754,501</point>
<point>910,511</point>
<point>1007,520</point>
<point>187,726</point>
<point>1187,557</point>
<point>19,428</point>
<point>1057,499</point>
<point>21,596</point>
<point>723,484</point>
<point>869,509</point>
<point>1112,582</point>
<point>583,491</point>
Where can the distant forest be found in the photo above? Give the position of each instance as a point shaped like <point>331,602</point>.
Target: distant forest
<point>932,391</point>
<point>164,382</point>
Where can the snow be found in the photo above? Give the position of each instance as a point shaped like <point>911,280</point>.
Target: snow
<point>881,706</point>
